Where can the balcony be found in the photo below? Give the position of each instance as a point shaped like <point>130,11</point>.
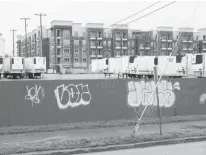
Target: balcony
<point>147,48</point>
<point>190,41</point>
<point>118,47</point>
<point>141,48</point>
<point>190,49</point>
<point>99,38</point>
<point>92,56</point>
<point>163,48</point>
<point>124,39</point>
<point>100,56</point>
<point>92,38</point>
<point>92,46</point>
<point>99,47</point>
<point>170,40</point>
<point>184,49</point>
<point>204,41</point>
<point>124,47</point>
<point>184,41</point>
<point>117,38</point>
<point>164,40</point>
<point>204,49</point>
<point>169,48</point>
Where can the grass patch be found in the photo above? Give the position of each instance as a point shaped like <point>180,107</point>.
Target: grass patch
<point>60,144</point>
<point>94,125</point>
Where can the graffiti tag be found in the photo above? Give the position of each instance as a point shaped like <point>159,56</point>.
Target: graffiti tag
<point>76,95</point>
<point>34,94</point>
<point>109,85</point>
<point>141,93</point>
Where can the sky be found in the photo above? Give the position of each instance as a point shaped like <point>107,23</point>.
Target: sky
<point>179,14</point>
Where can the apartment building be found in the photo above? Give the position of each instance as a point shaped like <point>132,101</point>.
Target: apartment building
<point>186,44</point>
<point>200,38</point>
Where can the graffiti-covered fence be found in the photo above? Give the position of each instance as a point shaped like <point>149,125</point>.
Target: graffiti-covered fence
<point>41,102</point>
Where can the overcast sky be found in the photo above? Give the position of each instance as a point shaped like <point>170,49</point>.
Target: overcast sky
<point>179,14</point>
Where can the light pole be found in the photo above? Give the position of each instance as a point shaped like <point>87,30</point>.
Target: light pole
<point>25,19</point>
<point>40,15</point>
<point>13,30</point>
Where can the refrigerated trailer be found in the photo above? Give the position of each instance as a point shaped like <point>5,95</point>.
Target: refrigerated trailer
<point>35,66</point>
<point>13,66</point>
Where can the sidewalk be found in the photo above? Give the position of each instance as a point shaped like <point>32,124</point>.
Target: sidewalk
<point>96,133</point>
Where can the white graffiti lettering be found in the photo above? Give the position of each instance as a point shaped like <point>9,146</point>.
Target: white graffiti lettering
<point>203,99</point>
<point>34,94</point>
<point>140,93</point>
<point>77,95</point>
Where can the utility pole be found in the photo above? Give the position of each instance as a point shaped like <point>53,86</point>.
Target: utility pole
<point>25,19</point>
<point>40,15</point>
<point>13,30</point>
<point>158,107</point>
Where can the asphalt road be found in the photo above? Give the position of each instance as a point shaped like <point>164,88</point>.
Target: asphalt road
<point>196,148</point>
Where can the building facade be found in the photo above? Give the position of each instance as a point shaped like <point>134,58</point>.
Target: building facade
<point>34,46</point>
<point>68,45</point>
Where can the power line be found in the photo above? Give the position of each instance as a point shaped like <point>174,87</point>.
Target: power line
<point>135,13</point>
<point>145,15</point>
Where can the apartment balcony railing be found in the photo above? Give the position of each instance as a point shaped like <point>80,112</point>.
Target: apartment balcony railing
<point>118,47</point>
<point>99,38</point>
<point>204,49</point>
<point>92,46</point>
<point>204,41</point>
<point>100,56</point>
<point>190,49</point>
<point>117,38</point>
<point>124,39</point>
<point>190,41</point>
<point>147,48</point>
<point>164,40</point>
<point>169,48</point>
<point>92,55</point>
<point>164,48</point>
<point>124,47</point>
<point>169,40</point>
<point>141,48</point>
<point>100,47</point>
<point>92,37</point>
<point>184,48</point>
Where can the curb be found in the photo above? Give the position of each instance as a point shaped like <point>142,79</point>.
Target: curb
<point>118,147</point>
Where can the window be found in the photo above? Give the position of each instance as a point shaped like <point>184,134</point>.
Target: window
<point>84,51</point>
<point>197,37</point>
<point>141,45</point>
<point>66,33</point>
<point>76,59</point>
<point>170,45</point>
<point>109,35</point>
<point>84,42</point>
<point>66,50</point>
<point>58,42</point>
<point>75,33</point>
<point>107,61</point>
<point>93,52</point>
<point>184,45</point>
<point>12,60</point>
<point>204,38</point>
<point>84,34</point>
<point>163,45</point>
<point>34,60</point>
<point>164,37</point>
<point>84,60</point>
<point>58,51</point>
<point>76,42</point>
<point>58,33</point>
<point>66,60</point>
<point>99,52</point>
<point>99,34</point>
<point>76,51</point>
<point>104,43</point>
<point>109,43</point>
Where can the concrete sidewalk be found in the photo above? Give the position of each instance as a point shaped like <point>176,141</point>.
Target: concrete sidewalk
<point>96,133</point>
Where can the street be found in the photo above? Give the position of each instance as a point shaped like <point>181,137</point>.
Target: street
<point>196,148</point>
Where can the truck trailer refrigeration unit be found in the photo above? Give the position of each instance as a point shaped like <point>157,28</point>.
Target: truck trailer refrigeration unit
<point>35,66</point>
<point>13,66</point>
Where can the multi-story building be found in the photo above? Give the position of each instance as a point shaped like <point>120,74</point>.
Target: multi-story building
<point>200,39</point>
<point>186,44</point>
<point>2,46</point>
<point>34,46</point>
